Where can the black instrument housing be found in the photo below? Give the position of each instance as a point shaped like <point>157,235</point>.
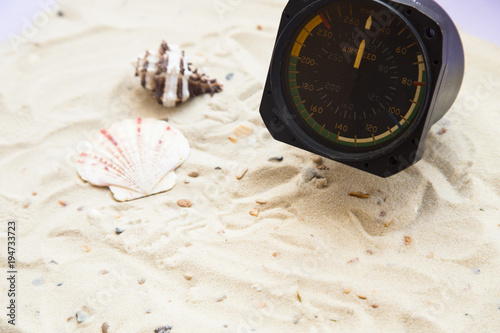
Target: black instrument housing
<point>444,54</point>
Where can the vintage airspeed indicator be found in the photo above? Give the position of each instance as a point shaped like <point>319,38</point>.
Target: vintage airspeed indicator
<point>362,81</point>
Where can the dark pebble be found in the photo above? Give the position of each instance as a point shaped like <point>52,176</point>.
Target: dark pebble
<point>163,329</point>
<point>275,158</point>
<point>119,230</point>
<point>60,13</point>
<point>229,76</point>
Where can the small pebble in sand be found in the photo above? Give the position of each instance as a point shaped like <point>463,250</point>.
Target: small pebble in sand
<point>261,201</point>
<point>119,231</point>
<point>193,174</point>
<point>148,311</point>
<point>321,183</point>
<point>233,140</point>
<point>375,306</point>
<point>254,212</point>
<point>26,204</point>
<point>94,214</point>
<point>259,27</point>
<point>257,288</point>
<point>275,158</point>
<point>104,272</point>
<point>353,261</point>
<point>477,271</point>
<point>322,167</point>
<point>104,327</point>
<point>317,159</point>
<point>184,203</point>
<point>81,316</point>
<point>220,299</point>
<point>63,203</point>
<point>229,76</point>
<point>276,254</point>
<point>347,291</point>
<point>34,194</point>
<point>243,130</point>
<point>388,224</point>
<point>408,240</point>
<point>37,282</point>
<point>299,297</point>
<point>60,13</point>
<point>370,252</point>
<point>361,296</point>
<point>59,284</point>
<point>163,329</point>
<point>442,131</point>
<point>308,174</point>
<point>86,248</point>
<point>188,277</point>
<point>242,171</point>
<point>141,281</point>
<point>360,195</point>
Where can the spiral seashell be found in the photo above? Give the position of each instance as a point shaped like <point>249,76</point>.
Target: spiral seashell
<point>135,158</point>
<point>169,77</point>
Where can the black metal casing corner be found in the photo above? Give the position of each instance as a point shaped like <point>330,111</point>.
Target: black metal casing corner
<point>445,65</point>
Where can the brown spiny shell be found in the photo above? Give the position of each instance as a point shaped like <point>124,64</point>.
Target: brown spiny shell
<point>170,78</point>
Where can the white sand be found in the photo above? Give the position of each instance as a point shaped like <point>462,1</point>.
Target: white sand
<point>246,271</point>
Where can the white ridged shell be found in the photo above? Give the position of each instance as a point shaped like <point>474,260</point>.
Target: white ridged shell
<point>135,158</point>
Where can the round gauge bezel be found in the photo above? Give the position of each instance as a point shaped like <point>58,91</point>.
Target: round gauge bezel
<point>290,118</point>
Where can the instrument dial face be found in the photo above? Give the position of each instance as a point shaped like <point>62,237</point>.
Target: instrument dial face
<point>355,75</point>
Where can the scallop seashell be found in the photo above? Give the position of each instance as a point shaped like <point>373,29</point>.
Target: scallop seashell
<point>170,78</point>
<point>135,158</point>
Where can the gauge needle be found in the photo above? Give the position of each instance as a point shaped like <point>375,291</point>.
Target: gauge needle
<point>360,54</point>
<point>361,50</point>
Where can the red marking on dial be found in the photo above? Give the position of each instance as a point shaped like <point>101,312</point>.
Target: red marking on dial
<point>328,26</point>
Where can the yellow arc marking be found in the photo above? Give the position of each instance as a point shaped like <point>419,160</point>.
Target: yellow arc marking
<point>306,32</point>
<point>360,54</point>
